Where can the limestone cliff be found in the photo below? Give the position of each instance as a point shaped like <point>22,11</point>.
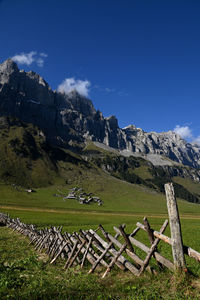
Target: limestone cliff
<point>69,118</point>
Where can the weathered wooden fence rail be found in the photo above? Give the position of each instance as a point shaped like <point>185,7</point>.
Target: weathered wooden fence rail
<point>100,248</point>
<point>105,250</point>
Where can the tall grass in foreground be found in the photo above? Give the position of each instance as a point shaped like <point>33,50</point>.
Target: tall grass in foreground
<point>26,275</point>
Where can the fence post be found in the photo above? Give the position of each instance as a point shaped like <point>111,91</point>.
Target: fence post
<point>175,227</point>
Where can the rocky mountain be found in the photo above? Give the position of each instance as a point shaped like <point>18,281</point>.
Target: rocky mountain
<point>69,120</point>
<point>39,127</point>
<point>168,144</point>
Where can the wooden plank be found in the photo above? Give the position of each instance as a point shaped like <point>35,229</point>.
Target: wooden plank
<point>95,242</point>
<point>158,257</point>
<point>135,231</point>
<point>126,263</point>
<point>175,227</point>
<point>76,235</point>
<point>105,234</point>
<point>126,237</point>
<point>71,254</point>
<point>76,255</point>
<point>33,239</point>
<point>117,234</point>
<point>95,255</point>
<point>86,251</point>
<point>163,237</point>
<point>153,248</point>
<point>43,242</point>
<point>100,258</point>
<point>114,260</point>
<point>139,262</point>
<point>50,244</point>
<point>157,234</point>
<point>56,247</point>
<point>90,256</point>
<point>148,230</point>
<point>39,242</point>
<point>52,248</point>
<point>104,263</point>
<point>192,253</point>
<point>187,250</point>
<point>59,253</point>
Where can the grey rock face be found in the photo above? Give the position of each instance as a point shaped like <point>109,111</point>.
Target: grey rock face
<point>66,118</point>
<point>27,96</point>
<point>168,144</point>
<point>8,71</point>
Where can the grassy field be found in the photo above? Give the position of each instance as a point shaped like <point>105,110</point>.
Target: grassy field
<point>25,275</point>
<point>117,196</point>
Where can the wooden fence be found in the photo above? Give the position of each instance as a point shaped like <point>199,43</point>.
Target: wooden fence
<point>100,248</point>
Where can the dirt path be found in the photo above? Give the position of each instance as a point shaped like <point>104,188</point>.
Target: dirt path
<point>83,212</point>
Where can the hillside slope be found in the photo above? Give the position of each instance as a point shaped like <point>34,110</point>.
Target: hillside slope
<point>140,171</point>
<point>28,160</point>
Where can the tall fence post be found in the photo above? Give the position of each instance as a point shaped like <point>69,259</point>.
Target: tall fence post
<point>175,227</point>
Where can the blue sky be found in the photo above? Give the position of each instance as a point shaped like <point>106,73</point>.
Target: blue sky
<point>138,60</point>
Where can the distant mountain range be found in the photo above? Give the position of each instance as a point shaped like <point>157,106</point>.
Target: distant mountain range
<point>46,135</point>
<point>71,119</point>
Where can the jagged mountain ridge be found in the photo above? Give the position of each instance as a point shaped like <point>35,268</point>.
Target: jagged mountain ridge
<point>72,118</point>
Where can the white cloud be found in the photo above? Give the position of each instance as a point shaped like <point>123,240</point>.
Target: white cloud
<point>25,58</point>
<point>71,84</point>
<point>184,131</point>
<point>29,58</point>
<point>42,54</point>
<point>40,62</point>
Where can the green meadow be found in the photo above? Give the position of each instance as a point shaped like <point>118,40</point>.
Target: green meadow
<point>26,274</point>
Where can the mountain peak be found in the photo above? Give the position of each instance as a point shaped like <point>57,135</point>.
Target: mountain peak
<point>8,66</point>
<point>8,72</point>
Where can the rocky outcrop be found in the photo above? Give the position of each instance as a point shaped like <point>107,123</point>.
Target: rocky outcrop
<point>27,96</point>
<point>72,117</point>
<point>168,144</point>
